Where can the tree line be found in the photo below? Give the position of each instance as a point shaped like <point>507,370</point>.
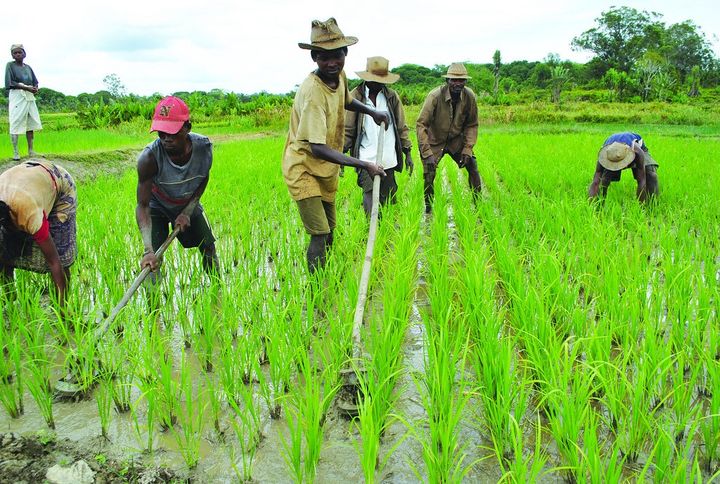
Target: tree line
<point>636,57</point>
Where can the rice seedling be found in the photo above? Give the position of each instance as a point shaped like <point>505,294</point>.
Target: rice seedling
<point>523,467</point>
<point>280,357</point>
<point>710,423</point>
<point>530,301</point>
<point>191,418</point>
<point>149,395</point>
<point>104,400</point>
<point>37,369</point>
<point>11,377</point>
<point>293,443</point>
<point>246,424</point>
<point>568,406</point>
<point>312,400</point>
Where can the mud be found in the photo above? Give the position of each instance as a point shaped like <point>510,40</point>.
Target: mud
<point>27,459</point>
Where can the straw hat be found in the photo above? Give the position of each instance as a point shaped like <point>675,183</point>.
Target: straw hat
<point>616,156</point>
<point>327,36</point>
<point>457,71</point>
<point>376,70</point>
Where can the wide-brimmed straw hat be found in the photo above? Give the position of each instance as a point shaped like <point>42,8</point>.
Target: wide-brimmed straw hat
<point>616,156</point>
<point>327,36</point>
<point>457,71</point>
<point>16,46</point>
<point>377,70</point>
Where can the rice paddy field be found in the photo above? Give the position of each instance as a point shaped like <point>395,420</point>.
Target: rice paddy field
<point>532,336</point>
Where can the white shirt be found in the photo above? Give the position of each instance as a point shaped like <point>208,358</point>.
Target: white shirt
<point>369,135</point>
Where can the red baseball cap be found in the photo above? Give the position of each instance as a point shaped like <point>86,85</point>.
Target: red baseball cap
<point>170,115</point>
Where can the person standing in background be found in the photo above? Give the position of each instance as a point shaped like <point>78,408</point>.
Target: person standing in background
<point>361,133</point>
<point>448,124</point>
<point>21,85</point>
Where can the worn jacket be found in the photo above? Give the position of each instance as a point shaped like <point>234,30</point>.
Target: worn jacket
<point>353,127</point>
<point>439,129</point>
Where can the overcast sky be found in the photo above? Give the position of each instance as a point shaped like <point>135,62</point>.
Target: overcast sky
<point>251,46</point>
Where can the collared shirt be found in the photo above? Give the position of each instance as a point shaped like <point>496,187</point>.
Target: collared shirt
<point>317,117</point>
<point>353,127</point>
<point>370,131</point>
<point>442,127</point>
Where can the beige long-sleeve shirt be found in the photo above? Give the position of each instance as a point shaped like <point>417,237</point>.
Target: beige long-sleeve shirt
<point>442,128</point>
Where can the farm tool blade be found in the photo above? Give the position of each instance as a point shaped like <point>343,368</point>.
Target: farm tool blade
<point>352,376</point>
<point>68,386</point>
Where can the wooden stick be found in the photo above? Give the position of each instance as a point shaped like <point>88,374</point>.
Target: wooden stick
<point>365,277</point>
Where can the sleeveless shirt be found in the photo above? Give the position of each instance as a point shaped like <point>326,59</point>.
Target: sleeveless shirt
<point>174,185</point>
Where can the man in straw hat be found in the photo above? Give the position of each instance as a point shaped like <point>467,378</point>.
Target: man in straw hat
<point>21,86</point>
<point>621,151</point>
<point>312,156</point>
<point>448,123</point>
<point>361,134</point>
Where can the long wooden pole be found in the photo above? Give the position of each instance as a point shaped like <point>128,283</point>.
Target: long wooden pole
<point>365,277</point>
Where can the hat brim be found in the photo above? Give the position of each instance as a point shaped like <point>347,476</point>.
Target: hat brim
<point>455,76</point>
<point>170,127</point>
<point>388,78</point>
<point>615,165</point>
<point>330,45</point>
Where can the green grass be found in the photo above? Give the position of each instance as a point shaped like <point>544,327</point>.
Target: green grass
<point>559,338</point>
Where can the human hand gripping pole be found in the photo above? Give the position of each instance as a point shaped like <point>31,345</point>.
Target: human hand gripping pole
<point>135,285</point>
<point>69,387</point>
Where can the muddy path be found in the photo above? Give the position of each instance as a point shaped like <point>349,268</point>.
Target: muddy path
<point>89,165</point>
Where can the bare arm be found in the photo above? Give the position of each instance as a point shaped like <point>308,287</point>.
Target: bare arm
<point>378,116</point>
<point>639,172</point>
<point>595,185</point>
<point>324,152</point>
<point>147,169</point>
<point>47,247</point>
<point>183,220</point>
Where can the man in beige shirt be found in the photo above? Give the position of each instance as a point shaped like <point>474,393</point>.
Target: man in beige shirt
<point>312,157</point>
<point>448,123</point>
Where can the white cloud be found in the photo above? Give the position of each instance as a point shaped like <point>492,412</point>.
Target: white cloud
<point>251,46</point>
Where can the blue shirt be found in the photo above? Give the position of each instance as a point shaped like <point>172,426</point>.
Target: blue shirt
<point>626,137</point>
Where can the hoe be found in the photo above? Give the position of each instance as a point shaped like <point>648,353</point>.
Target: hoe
<point>68,387</point>
<point>352,375</point>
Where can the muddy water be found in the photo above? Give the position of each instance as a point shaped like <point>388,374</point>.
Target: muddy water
<point>339,462</point>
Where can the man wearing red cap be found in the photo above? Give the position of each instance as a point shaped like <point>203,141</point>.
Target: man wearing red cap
<point>173,172</point>
<point>313,150</point>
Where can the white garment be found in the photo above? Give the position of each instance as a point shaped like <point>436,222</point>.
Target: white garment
<point>369,136</point>
<point>24,115</point>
